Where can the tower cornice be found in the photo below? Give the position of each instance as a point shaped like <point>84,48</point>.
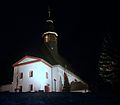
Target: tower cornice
<point>49,32</point>
<point>49,21</point>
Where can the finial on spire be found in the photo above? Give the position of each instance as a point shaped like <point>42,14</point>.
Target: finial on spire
<point>49,11</point>
<point>49,15</point>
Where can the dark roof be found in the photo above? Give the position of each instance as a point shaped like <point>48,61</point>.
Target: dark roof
<point>54,58</point>
<point>78,86</point>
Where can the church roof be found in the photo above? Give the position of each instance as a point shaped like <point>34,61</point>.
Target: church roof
<point>54,58</point>
<point>78,86</point>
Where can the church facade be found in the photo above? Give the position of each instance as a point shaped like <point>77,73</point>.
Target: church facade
<point>51,73</point>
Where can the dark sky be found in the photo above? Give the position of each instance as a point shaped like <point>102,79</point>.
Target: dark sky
<point>80,24</point>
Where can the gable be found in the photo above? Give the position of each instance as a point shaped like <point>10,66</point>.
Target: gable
<point>30,59</point>
<point>26,59</point>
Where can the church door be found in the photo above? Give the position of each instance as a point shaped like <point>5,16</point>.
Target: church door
<point>47,89</point>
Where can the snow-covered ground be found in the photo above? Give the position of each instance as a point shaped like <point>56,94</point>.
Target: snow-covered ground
<point>41,98</point>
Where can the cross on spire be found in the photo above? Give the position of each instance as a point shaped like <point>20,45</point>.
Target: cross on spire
<point>49,12</point>
<point>49,15</point>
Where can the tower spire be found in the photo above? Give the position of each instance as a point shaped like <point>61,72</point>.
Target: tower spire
<point>49,26</point>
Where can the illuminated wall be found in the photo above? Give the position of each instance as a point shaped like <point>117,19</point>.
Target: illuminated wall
<point>58,75</point>
<point>38,79</point>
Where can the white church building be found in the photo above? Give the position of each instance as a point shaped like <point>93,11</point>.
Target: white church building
<point>32,74</point>
<point>47,74</point>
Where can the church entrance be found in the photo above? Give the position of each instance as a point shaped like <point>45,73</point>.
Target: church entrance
<point>47,88</point>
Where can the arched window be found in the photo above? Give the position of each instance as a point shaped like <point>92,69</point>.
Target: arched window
<point>46,38</point>
<point>31,74</point>
<point>21,75</point>
<point>46,75</point>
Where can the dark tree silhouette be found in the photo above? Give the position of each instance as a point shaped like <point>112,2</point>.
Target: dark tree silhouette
<point>109,64</point>
<point>66,87</point>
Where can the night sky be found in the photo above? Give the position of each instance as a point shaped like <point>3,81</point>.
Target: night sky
<point>80,24</point>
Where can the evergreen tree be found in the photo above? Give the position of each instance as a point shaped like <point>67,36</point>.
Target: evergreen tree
<point>66,87</point>
<point>109,64</point>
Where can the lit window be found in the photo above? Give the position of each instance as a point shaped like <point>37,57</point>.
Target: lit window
<point>31,74</point>
<point>46,38</point>
<point>21,75</point>
<point>31,87</point>
<point>46,75</point>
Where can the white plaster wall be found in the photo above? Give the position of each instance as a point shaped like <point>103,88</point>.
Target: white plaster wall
<point>58,71</point>
<point>39,80</point>
<point>39,76</point>
<point>71,77</point>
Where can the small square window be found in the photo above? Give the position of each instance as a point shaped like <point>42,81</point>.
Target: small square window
<point>31,74</point>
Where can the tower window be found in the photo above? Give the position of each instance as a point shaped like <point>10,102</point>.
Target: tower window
<point>53,38</point>
<point>21,75</point>
<point>46,38</point>
<point>31,87</point>
<point>31,74</point>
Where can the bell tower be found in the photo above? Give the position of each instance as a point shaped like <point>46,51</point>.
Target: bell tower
<point>49,48</point>
<point>50,36</point>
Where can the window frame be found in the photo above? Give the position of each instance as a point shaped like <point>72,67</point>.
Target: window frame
<point>21,75</point>
<point>31,87</point>
<point>47,75</point>
<point>31,73</point>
